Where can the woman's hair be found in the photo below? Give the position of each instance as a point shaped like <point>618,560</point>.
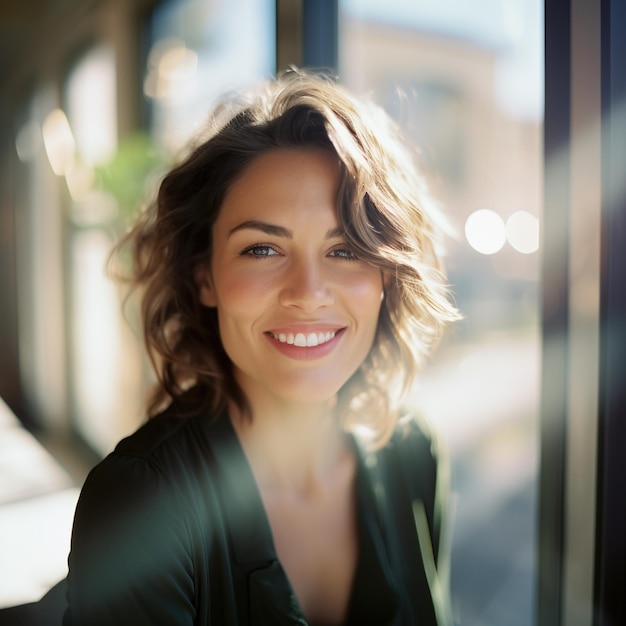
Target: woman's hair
<point>382,206</point>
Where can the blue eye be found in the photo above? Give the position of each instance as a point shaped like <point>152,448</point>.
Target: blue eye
<point>260,251</point>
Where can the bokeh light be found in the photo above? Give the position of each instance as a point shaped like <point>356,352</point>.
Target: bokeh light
<point>522,232</point>
<point>172,71</point>
<point>59,142</point>
<point>485,231</point>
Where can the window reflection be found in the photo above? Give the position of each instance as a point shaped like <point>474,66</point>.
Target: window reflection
<point>464,80</point>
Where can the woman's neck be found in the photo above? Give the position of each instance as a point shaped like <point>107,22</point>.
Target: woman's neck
<point>295,448</point>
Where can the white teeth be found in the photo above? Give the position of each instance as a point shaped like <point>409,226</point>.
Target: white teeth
<point>301,340</point>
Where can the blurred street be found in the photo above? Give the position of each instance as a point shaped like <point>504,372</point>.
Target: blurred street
<point>483,398</point>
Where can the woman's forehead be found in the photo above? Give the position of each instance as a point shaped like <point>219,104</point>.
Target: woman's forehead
<point>283,179</point>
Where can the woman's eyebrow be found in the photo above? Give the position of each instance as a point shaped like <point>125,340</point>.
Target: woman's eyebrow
<point>335,233</point>
<point>279,231</point>
<point>264,227</point>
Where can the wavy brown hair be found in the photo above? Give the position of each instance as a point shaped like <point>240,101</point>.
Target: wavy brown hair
<point>382,206</point>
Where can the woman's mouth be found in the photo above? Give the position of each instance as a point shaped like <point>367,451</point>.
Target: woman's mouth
<point>307,344</point>
<point>304,340</point>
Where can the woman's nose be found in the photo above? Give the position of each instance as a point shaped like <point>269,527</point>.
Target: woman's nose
<point>306,287</point>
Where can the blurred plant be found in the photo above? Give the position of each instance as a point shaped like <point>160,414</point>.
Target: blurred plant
<point>131,175</point>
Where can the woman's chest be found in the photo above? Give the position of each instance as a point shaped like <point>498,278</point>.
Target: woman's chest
<point>316,541</point>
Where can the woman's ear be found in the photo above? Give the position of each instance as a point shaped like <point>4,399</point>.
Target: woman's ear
<point>204,285</point>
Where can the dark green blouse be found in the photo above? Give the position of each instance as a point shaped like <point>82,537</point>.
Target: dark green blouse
<point>170,529</point>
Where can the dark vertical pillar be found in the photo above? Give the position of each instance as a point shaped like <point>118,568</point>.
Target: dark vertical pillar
<point>611,505</point>
<point>320,23</point>
<point>555,318</point>
<point>288,34</point>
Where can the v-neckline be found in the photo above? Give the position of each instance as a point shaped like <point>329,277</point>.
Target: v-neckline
<point>252,544</point>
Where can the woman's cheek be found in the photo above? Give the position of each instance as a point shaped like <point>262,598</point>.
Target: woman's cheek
<point>366,288</point>
<point>244,290</point>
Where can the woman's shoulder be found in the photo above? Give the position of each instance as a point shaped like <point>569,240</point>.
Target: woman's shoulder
<point>415,434</point>
<point>415,454</point>
<point>149,507</point>
<point>161,471</point>
<point>168,449</point>
<point>178,428</point>
<point>156,435</point>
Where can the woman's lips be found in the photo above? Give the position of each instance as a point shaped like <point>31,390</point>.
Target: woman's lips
<point>305,344</point>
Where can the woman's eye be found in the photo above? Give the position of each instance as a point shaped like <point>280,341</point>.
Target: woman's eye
<point>259,251</point>
<point>344,253</point>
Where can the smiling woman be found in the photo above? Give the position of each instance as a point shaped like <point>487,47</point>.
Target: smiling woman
<point>291,289</point>
<point>281,268</point>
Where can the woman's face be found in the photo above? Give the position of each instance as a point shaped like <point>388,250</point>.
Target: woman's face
<point>297,310</point>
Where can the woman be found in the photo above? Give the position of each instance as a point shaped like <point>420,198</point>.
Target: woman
<point>291,288</point>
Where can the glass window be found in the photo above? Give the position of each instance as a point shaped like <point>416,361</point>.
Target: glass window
<point>465,81</point>
<point>199,50</point>
<point>103,355</point>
